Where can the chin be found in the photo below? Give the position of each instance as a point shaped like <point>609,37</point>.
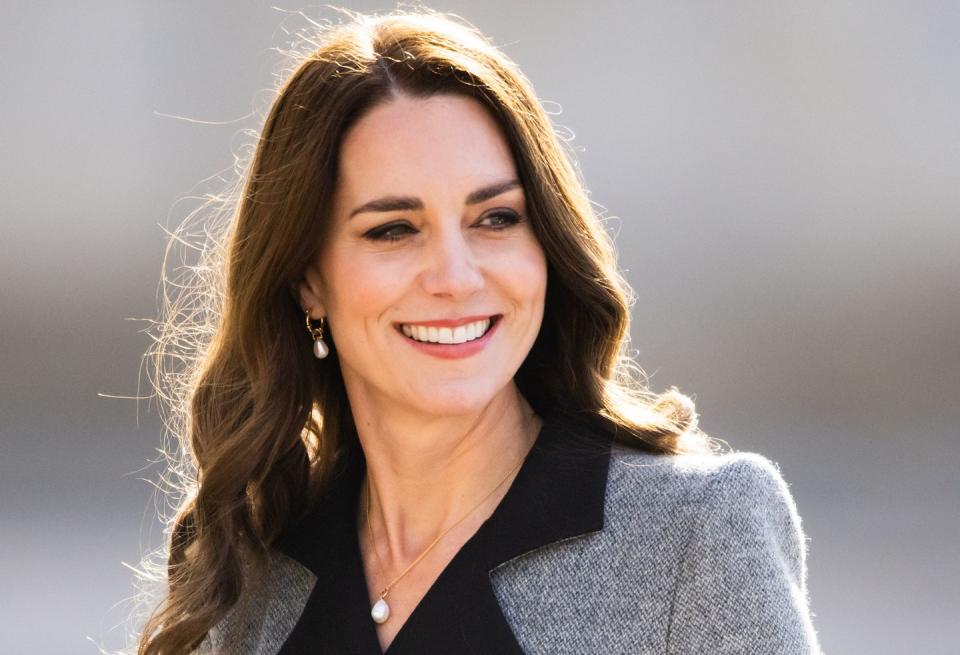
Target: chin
<point>468,398</point>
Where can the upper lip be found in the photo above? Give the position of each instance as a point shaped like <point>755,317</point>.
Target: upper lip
<point>449,322</point>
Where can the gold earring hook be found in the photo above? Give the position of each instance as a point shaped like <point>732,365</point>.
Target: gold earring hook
<point>315,332</point>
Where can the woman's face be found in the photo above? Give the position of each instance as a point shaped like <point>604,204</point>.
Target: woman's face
<point>430,241</point>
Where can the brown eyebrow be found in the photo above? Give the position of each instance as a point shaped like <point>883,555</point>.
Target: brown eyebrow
<point>409,203</point>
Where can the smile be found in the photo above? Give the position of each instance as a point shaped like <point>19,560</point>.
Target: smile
<point>448,334</point>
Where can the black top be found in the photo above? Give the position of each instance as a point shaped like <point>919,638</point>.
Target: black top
<point>557,494</point>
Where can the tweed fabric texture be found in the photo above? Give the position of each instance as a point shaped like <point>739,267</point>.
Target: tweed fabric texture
<point>698,554</point>
<point>267,612</point>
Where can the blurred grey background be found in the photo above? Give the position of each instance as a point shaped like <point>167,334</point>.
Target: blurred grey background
<point>785,182</point>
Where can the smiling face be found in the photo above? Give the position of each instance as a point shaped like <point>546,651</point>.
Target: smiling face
<point>429,241</point>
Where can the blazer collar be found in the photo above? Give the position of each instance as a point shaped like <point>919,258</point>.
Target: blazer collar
<point>558,494</point>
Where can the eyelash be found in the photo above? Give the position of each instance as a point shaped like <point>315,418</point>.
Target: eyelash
<point>382,233</point>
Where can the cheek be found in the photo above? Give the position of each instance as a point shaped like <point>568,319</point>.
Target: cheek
<point>523,270</point>
<point>361,286</point>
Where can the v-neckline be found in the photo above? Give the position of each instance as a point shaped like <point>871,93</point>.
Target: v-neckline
<point>357,564</point>
<point>558,493</point>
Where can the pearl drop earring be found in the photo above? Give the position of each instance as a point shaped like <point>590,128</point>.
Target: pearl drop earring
<point>320,348</point>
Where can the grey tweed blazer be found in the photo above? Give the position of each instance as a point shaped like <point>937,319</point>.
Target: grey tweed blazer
<point>597,547</point>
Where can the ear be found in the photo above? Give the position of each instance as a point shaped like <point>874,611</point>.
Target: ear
<point>309,291</point>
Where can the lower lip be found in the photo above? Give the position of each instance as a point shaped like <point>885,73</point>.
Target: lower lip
<point>454,350</point>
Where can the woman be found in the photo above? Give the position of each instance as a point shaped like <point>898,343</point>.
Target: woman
<point>413,429</point>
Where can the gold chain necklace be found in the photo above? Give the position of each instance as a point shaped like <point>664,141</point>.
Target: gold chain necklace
<point>380,611</point>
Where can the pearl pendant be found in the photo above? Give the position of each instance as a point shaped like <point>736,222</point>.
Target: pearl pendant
<point>320,349</point>
<point>380,611</point>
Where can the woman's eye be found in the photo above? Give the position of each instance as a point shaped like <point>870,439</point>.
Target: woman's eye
<point>502,219</point>
<point>391,232</point>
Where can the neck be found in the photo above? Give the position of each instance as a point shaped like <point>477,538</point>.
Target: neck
<point>425,474</point>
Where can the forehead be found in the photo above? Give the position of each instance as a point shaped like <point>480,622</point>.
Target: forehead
<point>408,145</point>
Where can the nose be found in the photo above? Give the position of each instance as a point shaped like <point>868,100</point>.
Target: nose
<point>451,268</point>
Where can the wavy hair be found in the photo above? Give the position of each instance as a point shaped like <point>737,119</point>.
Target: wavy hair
<point>260,421</point>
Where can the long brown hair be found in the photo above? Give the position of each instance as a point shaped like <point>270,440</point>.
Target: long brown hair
<point>261,421</point>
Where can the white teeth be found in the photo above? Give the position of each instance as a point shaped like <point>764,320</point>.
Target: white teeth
<point>459,334</point>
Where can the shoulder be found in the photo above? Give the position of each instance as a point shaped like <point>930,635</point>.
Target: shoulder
<point>640,476</point>
<point>269,608</point>
<point>729,527</point>
<point>703,552</point>
<point>714,495</point>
